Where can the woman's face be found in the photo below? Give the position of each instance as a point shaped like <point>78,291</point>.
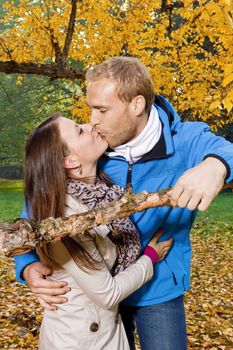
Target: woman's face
<point>82,141</point>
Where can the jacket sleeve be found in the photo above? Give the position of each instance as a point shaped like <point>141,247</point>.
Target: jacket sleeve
<point>99,285</point>
<point>200,143</point>
<point>23,260</point>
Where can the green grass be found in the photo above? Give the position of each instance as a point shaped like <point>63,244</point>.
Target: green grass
<point>11,185</point>
<point>220,210</point>
<point>11,201</point>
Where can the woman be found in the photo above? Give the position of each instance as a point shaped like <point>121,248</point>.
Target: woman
<point>61,179</point>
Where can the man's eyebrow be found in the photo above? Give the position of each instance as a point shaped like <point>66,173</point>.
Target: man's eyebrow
<point>100,107</point>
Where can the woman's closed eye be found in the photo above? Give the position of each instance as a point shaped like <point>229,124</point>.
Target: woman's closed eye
<point>79,129</point>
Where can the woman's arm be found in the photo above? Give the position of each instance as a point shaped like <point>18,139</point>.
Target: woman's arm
<point>99,285</point>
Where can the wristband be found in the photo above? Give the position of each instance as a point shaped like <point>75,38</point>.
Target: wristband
<point>151,253</point>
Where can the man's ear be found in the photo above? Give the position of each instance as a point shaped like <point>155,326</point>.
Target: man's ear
<point>70,162</point>
<point>138,104</point>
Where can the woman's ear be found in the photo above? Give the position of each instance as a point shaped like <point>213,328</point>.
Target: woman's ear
<point>70,162</point>
<point>138,104</point>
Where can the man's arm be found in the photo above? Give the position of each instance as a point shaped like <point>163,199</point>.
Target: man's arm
<point>209,159</point>
<point>198,187</point>
<point>47,292</point>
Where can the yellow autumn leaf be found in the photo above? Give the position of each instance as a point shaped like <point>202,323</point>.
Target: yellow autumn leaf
<point>214,105</point>
<point>228,79</point>
<point>228,2</point>
<point>228,104</point>
<point>230,95</point>
<point>228,68</point>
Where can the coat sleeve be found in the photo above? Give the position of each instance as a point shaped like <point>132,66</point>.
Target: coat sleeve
<point>99,285</point>
<point>23,260</point>
<point>199,143</point>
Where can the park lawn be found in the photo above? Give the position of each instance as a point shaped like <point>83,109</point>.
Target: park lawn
<point>11,199</point>
<point>221,210</point>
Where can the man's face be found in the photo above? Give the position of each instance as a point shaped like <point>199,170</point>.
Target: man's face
<point>114,119</point>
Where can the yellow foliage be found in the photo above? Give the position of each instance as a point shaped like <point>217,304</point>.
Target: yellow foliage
<point>19,80</point>
<point>214,105</point>
<point>228,79</point>
<point>228,104</point>
<point>188,48</point>
<point>228,68</point>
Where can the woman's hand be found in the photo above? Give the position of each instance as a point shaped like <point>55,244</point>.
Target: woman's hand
<point>162,248</point>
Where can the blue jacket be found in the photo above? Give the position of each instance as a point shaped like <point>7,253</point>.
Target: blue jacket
<point>182,146</point>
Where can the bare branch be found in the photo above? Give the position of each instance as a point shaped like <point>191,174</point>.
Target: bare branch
<point>24,235</point>
<point>70,30</point>
<point>54,70</point>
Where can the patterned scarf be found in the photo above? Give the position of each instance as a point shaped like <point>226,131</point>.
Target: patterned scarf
<point>123,233</point>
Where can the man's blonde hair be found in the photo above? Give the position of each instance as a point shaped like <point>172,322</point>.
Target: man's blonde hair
<point>131,76</point>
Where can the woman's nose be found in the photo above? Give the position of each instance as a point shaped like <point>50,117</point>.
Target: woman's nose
<point>87,127</point>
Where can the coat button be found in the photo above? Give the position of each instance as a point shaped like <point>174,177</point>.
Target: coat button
<point>94,327</point>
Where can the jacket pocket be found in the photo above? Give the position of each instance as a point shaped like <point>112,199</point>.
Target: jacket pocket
<point>172,273</point>
<point>177,270</point>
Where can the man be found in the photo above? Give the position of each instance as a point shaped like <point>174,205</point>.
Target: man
<point>150,149</point>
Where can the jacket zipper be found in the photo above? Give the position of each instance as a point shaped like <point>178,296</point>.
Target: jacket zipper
<point>173,275</point>
<point>129,177</point>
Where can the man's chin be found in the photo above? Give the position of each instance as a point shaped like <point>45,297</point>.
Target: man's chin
<point>112,144</point>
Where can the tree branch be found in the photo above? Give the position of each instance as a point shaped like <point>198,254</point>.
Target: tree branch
<point>70,30</point>
<point>5,49</point>
<point>57,49</point>
<point>54,70</point>
<point>24,235</point>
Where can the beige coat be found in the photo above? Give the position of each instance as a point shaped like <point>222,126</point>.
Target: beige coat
<point>90,319</point>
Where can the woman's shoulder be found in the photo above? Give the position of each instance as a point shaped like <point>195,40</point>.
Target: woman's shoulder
<point>74,206</point>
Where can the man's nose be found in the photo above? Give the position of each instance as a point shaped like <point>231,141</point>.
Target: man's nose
<point>94,119</point>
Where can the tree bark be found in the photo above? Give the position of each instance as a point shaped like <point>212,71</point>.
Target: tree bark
<point>70,30</point>
<point>53,70</point>
<point>23,235</point>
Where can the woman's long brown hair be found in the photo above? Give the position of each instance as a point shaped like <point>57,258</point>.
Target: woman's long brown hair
<point>45,183</point>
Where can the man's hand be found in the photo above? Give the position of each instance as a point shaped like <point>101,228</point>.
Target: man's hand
<point>198,186</point>
<point>47,292</point>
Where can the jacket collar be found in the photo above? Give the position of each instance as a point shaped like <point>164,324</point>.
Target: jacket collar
<point>165,147</point>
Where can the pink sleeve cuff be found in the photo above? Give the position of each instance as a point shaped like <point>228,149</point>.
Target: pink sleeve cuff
<point>151,253</point>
